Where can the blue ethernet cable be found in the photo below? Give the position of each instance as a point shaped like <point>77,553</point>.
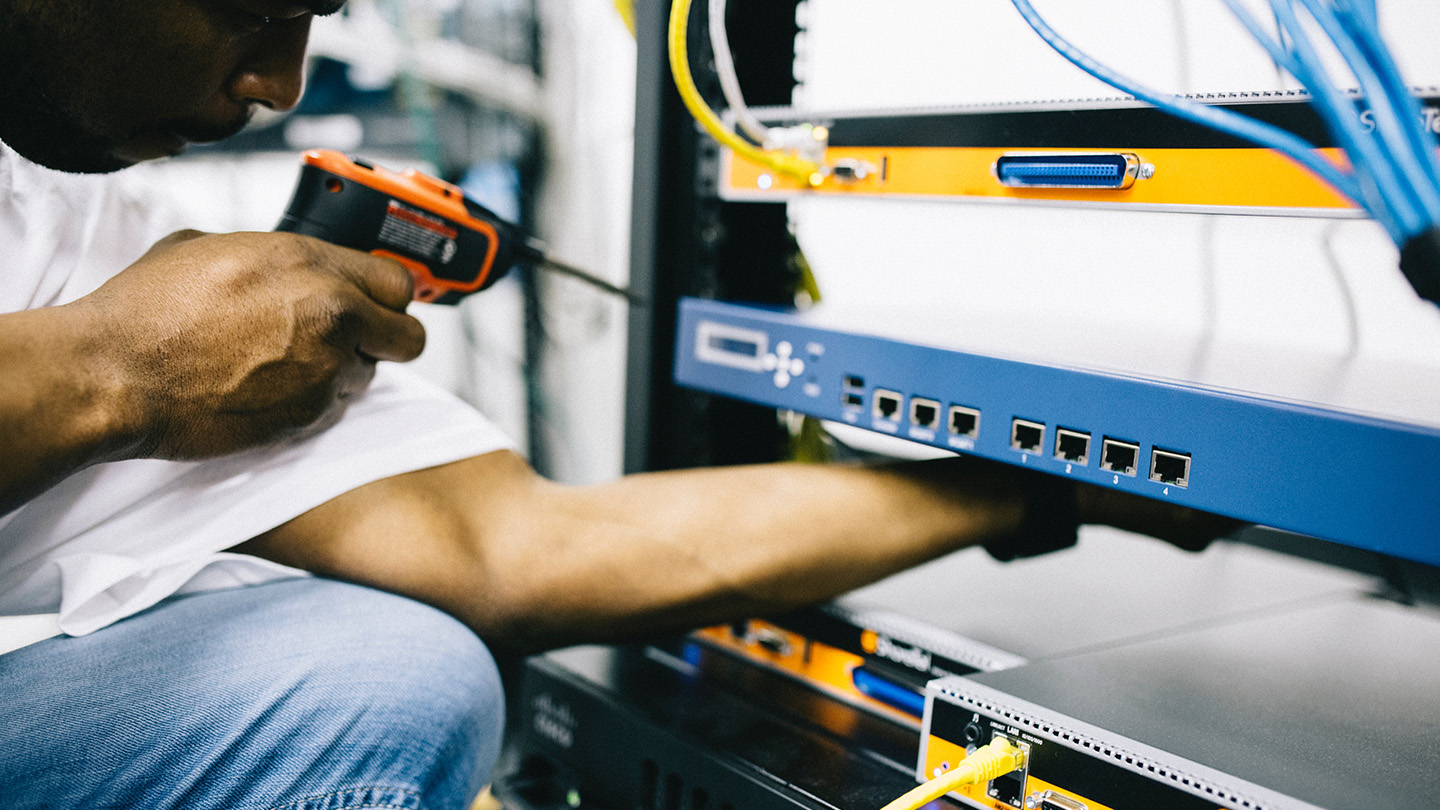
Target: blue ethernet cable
<point>1377,171</point>
<point>1396,116</point>
<point>1287,143</point>
<point>1383,81</point>
<point>1368,37</point>
<point>1396,175</point>
<point>1287,59</point>
<point>1414,193</point>
<point>1366,11</point>
<point>1278,53</point>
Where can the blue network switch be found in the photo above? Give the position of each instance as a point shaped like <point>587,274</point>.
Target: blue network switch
<point>1352,479</point>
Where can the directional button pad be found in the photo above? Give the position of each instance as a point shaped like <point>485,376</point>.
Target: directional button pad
<point>784,363</point>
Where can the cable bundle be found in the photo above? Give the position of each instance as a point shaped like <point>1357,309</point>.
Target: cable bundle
<point>1394,173</point>
<point>777,158</point>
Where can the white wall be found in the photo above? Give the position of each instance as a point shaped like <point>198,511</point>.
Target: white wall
<point>585,218</point>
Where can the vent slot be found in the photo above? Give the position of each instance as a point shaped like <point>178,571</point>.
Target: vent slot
<point>1135,761</point>
<point>674,792</point>
<point>649,780</point>
<point>671,793</point>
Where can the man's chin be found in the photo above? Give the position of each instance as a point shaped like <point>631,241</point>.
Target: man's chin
<point>149,146</point>
<point>81,154</point>
<point>72,157</point>
<point>168,142</point>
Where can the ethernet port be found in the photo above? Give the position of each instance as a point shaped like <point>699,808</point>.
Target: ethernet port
<point>1027,436</point>
<point>1072,446</point>
<point>1119,457</point>
<point>887,405</point>
<point>924,413</point>
<point>964,421</point>
<point>1009,789</point>
<point>1170,468</point>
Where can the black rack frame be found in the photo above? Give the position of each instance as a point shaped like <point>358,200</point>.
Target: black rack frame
<point>686,241</point>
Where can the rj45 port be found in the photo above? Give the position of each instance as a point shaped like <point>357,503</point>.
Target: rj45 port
<point>964,421</point>
<point>924,413</point>
<point>1027,436</point>
<point>1072,446</point>
<point>1170,468</point>
<point>886,405</point>
<point>1119,456</point>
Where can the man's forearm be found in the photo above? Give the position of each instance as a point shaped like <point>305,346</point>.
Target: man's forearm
<point>61,407</point>
<point>702,546</point>
<point>530,564</point>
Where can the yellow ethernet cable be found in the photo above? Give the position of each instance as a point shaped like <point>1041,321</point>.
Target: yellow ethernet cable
<point>988,762</point>
<point>804,170</point>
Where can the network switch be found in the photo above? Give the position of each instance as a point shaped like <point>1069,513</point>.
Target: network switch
<point>1318,706</point>
<point>1211,449</point>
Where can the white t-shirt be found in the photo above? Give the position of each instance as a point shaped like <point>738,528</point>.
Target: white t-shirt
<point>116,538</point>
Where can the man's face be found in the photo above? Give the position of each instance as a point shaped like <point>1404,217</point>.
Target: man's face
<point>98,85</point>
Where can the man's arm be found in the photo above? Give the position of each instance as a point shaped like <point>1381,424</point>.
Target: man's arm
<point>529,564</point>
<point>207,345</point>
<point>60,407</point>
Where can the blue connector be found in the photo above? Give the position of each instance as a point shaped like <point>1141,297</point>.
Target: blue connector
<point>1108,170</point>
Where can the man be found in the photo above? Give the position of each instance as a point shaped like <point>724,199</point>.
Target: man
<point>210,415</point>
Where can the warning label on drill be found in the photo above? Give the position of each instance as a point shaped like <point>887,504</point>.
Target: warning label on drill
<point>417,233</point>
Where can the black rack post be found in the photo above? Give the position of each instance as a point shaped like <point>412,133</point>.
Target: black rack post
<point>685,241</point>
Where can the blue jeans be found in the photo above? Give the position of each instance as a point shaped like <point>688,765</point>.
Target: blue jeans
<point>304,694</point>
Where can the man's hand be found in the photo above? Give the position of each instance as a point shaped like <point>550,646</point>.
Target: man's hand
<point>229,341</point>
<point>1180,526</point>
<point>209,344</point>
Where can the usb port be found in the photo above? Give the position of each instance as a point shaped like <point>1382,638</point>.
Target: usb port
<point>853,400</point>
<point>1170,468</point>
<point>1072,446</point>
<point>964,421</point>
<point>1119,457</point>
<point>852,381</point>
<point>924,413</point>
<point>1027,436</point>
<point>887,405</point>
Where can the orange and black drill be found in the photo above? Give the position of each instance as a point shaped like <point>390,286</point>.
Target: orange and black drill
<point>452,246</point>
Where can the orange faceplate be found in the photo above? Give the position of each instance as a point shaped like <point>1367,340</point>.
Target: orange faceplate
<point>826,668</point>
<point>1184,178</point>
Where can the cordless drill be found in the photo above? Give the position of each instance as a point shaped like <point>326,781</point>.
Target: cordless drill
<point>451,245</point>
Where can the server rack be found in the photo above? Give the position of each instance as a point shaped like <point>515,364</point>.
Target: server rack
<point>681,249</point>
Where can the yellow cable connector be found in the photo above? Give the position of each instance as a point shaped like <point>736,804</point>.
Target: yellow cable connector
<point>806,171</point>
<point>988,762</point>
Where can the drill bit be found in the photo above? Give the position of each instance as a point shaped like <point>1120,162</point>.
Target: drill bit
<point>537,254</point>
